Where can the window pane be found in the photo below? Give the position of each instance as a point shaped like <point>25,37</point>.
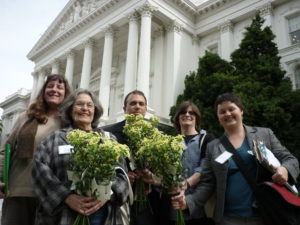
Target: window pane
<point>294,28</point>
<point>295,37</point>
<point>294,23</point>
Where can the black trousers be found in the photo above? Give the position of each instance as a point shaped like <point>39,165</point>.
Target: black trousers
<point>18,211</point>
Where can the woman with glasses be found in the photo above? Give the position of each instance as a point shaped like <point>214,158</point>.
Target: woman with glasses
<point>187,121</point>
<point>235,200</point>
<point>41,118</point>
<point>60,205</point>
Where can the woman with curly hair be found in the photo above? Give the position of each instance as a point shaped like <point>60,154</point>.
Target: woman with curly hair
<point>35,124</point>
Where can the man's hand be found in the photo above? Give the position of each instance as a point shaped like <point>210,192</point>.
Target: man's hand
<point>148,177</point>
<point>132,177</point>
<point>281,175</point>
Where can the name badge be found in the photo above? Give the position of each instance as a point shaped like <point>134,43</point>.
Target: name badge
<point>64,149</point>
<point>223,157</point>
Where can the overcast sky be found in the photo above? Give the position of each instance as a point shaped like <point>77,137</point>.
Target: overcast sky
<point>21,25</point>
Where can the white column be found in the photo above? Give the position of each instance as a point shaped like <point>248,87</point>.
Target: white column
<point>144,50</point>
<point>266,12</point>
<point>113,97</point>
<point>131,59</point>
<point>106,70</point>
<point>173,43</point>
<point>70,66</point>
<point>55,67</point>
<point>158,64</point>
<point>226,40</point>
<point>40,82</point>
<point>35,82</point>
<point>196,48</point>
<point>87,63</point>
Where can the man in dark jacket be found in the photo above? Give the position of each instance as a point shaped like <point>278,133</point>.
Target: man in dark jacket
<point>135,103</point>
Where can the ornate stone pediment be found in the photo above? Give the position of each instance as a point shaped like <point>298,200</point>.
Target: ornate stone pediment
<point>76,14</point>
<point>79,10</point>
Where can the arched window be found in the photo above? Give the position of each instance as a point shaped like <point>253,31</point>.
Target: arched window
<point>297,77</point>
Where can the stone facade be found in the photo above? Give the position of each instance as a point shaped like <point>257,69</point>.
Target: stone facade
<point>12,107</point>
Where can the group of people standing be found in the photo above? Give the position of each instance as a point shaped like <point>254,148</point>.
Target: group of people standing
<point>39,188</point>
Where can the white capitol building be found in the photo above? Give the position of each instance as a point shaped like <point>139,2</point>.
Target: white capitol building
<point>115,46</point>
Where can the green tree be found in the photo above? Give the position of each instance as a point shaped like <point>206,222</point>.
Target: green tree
<point>268,96</point>
<point>256,75</point>
<point>214,76</point>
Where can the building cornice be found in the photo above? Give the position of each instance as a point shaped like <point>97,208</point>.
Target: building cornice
<point>22,94</point>
<point>289,50</point>
<point>186,6</point>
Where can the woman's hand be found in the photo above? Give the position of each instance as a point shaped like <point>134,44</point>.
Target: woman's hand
<point>95,206</point>
<point>281,175</point>
<point>178,201</point>
<point>84,205</point>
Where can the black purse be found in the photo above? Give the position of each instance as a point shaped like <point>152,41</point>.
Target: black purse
<point>277,204</point>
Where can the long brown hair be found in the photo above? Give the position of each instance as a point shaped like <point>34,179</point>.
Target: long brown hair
<point>38,109</point>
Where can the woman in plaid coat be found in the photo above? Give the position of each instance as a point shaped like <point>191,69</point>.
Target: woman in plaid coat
<point>58,205</point>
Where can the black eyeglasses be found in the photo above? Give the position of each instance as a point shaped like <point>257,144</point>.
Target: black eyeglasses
<point>188,112</point>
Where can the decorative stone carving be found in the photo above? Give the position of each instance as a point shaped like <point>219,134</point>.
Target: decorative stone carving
<point>174,26</point>
<point>89,42</point>
<point>159,32</point>
<point>147,9</point>
<point>134,17</point>
<point>226,27</point>
<point>70,53</point>
<point>55,62</point>
<point>77,11</point>
<point>80,9</point>
<point>266,10</point>
<point>109,30</point>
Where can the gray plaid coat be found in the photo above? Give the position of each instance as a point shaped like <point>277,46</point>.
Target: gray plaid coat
<point>52,186</point>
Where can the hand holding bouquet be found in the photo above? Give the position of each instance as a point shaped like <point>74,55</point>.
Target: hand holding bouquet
<point>160,152</point>
<point>136,129</point>
<point>163,155</point>
<point>92,165</point>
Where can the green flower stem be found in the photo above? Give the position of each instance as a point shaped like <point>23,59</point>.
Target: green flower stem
<point>179,217</point>
<point>81,220</point>
<point>77,220</point>
<point>141,201</point>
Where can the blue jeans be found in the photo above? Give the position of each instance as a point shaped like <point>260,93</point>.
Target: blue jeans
<point>99,217</point>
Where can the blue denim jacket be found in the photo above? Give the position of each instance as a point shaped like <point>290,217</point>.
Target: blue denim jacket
<point>191,157</point>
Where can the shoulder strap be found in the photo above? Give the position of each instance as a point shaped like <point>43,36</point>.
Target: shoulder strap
<point>202,151</point>
<point>239,162</point>
<point>130,195</point>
